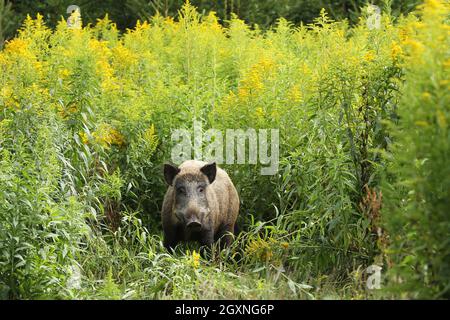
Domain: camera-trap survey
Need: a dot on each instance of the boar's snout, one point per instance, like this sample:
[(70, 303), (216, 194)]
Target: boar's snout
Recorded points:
[(194, 225)]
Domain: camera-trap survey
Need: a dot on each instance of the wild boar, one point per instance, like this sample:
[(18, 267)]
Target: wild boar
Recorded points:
[(201, 204)]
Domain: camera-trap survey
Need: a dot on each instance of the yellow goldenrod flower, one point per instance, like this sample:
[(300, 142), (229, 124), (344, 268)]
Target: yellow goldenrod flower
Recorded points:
[(422, 123), (434, 5), (143, 26), (150, 135), (99, 49), (212, 23), (261, 248), (369, 56), (6, 92), (260, 112), (243, 93), (84, 137), (396, 50), (64, 73), (195, 259), (446, 63), (18, 47), (416, 46), (295, 94), (426, 95), (106, 135), (123, 57), (3, 60)]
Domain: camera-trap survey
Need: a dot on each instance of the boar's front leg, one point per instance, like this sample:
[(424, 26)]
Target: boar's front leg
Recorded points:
[(171, 237), (206, 242), (226, 235), (207, 238)]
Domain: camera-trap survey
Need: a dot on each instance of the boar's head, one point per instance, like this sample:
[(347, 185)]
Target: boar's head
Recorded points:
[(190, 189)]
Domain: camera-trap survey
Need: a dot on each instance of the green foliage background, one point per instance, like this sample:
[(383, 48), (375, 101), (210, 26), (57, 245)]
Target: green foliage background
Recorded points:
[(125, 13)]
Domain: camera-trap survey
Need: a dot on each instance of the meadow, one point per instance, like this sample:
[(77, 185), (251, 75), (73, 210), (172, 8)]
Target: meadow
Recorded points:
[(363, 112)]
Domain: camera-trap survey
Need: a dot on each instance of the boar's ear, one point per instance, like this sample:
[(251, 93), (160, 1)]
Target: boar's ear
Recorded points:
[(210, 171), (170, 172)]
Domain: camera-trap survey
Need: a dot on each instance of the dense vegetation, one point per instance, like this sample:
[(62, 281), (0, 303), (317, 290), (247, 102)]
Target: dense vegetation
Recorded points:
[(363, 112), (125, 13)]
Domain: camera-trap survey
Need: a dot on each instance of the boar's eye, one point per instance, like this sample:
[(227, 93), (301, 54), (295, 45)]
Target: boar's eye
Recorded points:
[(201, 189), (181, 190)]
